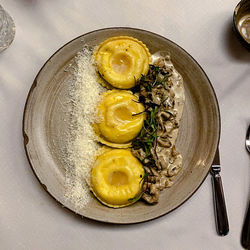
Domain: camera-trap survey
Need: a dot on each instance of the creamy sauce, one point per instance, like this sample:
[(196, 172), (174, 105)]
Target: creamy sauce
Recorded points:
[(179, 98)]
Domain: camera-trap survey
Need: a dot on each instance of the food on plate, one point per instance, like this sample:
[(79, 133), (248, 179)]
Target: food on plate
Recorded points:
[(120, 118), (116, 178), (138, 127), (121, 60), (162, 94)]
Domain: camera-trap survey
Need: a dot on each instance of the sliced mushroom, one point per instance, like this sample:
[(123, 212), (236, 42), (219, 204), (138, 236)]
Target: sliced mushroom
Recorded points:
[(139, 153), (164, 142), (173, 169), (151, 198)]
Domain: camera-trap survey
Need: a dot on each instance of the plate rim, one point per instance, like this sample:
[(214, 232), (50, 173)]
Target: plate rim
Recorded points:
[(26, 138)]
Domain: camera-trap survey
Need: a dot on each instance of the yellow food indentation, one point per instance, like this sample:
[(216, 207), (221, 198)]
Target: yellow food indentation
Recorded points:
[(123, 113), (121, 63), (118, 178)]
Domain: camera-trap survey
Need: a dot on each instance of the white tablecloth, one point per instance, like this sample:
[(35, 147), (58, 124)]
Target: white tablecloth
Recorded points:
[(29, 217)]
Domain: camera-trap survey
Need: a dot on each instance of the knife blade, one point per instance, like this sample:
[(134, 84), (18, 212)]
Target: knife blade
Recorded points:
[(219, 199)]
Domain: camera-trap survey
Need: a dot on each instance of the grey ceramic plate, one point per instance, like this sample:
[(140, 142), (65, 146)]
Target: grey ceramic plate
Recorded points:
[(44, 125)]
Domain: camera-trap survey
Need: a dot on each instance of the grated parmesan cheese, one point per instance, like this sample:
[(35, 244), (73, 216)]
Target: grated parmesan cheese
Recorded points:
[(81, 145)]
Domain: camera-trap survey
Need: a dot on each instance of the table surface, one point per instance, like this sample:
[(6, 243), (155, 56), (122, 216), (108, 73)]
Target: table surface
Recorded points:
[(29, 217)]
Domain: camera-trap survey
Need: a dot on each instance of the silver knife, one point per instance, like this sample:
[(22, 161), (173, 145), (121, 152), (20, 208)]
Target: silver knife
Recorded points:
[(219, 200)]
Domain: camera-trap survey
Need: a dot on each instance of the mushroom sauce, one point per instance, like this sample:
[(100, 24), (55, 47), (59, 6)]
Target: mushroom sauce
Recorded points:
[(162, 93)]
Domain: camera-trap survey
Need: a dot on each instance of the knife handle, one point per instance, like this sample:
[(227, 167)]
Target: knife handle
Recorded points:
[(220, 206), (245, 236)]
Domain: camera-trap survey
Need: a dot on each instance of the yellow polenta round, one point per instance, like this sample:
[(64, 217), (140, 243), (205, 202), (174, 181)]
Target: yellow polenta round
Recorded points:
[(119, 118), (116, 178), (121, 60)]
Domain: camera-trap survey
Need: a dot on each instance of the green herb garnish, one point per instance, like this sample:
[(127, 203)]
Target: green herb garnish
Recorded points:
[(147, 138), (137, 197), (148, 133)]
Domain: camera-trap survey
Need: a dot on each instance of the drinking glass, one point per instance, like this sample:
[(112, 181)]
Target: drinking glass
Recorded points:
[(7, 29)]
